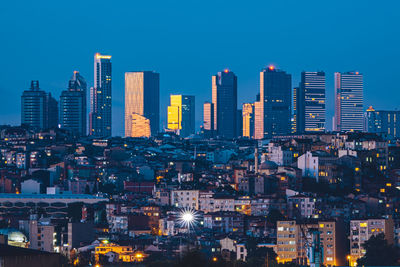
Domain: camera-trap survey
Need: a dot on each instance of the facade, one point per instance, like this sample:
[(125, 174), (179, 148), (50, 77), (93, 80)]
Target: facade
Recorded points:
[(362, 230), (310, 102), (349, 98), (181, 114), (248, 120), (73, 105), (224, 98), (100, 98), (188, 199), (382, 121), (292, 238), (275, 98), (208, 118), (142, 102), (38, 109)]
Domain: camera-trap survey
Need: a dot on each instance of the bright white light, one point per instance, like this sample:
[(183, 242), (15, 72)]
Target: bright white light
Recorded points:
[(187, 218)]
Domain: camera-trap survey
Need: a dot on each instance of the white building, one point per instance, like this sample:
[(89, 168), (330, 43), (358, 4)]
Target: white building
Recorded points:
[(305, 205), (308, 163), (208, 202), (188, 199), (282, 157)]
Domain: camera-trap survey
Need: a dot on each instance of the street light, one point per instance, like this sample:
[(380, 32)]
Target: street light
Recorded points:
[(187, 218)]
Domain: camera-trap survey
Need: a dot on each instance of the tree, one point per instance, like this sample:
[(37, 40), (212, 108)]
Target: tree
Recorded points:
[(259, 256), (378, 252), (274, 215), (87, 189)]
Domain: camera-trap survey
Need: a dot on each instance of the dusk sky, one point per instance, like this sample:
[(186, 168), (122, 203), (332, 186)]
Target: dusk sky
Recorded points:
[(189, 41)]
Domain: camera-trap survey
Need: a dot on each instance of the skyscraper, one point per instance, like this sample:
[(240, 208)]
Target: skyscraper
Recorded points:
[(208, 119), (382, 121), (310, 102), (248, 120), (38, 109), (181, 114), (100, 97), (224, 98), (349, 97), (275, 98), (73, 105), (294, 109), (142, 97)]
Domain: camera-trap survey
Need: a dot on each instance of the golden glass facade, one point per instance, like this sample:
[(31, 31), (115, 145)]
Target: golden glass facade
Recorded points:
[(140, 126), (175, 113), (141, 98), (248, 119)]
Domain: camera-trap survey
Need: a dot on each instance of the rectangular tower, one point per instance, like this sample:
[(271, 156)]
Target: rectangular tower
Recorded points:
[(275, 98), (248, 120), (349, 98), (100, 97), (142, 97), (224, 98), (181, 114), (73, 105), (310, 102)]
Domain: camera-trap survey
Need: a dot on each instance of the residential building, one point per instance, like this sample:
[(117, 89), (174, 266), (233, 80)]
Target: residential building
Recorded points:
[(382, 122), (362, 230), (188, 199)]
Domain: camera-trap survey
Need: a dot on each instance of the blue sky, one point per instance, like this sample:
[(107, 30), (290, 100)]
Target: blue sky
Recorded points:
[(188, 41)]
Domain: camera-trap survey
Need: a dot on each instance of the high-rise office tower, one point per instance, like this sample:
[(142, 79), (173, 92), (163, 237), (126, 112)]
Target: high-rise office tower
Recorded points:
[(52, 112), (73, 105), (100, 97), (224, 98), (181, 114), (38, 109), (142, 97), (349, 98), (239, 123), (208, 118), (275, 98), (248, 120), (294, 109), (382, 121), (309, 100)]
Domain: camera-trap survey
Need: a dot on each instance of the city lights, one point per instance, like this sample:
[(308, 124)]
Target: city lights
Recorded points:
[(188, 218)]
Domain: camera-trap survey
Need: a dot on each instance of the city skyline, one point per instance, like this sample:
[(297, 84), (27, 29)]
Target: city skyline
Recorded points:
[(355, 35)]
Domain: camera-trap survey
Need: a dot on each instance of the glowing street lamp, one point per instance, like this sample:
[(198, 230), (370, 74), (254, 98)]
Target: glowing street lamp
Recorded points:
[(187, 218)]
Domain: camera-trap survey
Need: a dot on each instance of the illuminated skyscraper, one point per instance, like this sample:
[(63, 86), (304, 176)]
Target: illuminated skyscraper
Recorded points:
[(38, 109), (224, 98), (100, 97), (309, 101), (142, 97), (208, 117), (73, 105), (349, 98), (181, 114), (248, 120), (275, 98), (294, 110)]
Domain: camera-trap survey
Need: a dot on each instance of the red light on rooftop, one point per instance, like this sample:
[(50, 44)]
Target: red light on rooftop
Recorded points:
[(226, 70), (357, 73), (271, 67)]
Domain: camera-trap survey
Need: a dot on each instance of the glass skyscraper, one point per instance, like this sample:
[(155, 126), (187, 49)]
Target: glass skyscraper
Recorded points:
[(73, 105), (224, 98), (100, 98), (310, 102), (142, 97), (181, 114), (38, 109), (248, 120), (349, 98), (275, 102)]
